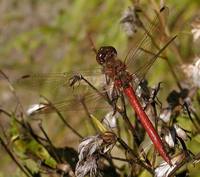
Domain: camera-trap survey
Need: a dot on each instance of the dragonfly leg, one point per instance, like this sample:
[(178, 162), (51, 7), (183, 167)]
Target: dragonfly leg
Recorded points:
[(74, 79)]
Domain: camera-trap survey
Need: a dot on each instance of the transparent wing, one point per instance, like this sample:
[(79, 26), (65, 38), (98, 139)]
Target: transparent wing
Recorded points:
[(88, 102), (54, 80), (67, 92), (142, 53), (57, 83)]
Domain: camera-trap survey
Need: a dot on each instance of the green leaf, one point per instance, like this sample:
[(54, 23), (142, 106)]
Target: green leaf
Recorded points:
[(98, 124)]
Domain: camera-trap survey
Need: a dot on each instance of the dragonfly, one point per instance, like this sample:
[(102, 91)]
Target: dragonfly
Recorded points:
[(116, 75)]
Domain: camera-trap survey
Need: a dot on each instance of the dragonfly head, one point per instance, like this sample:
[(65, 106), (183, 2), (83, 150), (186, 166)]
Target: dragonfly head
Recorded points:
[(105, 53)]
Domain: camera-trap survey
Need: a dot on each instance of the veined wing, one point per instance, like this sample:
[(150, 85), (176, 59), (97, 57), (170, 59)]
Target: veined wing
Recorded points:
[(73, 91), (139, 54), (59, 82), (91, 102)]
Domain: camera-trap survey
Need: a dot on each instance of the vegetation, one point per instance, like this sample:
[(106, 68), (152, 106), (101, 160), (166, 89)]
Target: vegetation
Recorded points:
[(53, 123)]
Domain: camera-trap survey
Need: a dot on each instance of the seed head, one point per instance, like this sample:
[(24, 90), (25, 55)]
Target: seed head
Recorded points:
[(196, 28), (193, 71), (90, 151), (130, 21)]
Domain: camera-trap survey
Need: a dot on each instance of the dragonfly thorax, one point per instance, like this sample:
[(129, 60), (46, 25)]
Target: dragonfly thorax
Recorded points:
[(116, 70), (113, 68)]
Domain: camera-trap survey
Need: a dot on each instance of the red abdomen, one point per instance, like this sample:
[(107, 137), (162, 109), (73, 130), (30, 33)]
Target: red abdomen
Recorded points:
[(146, 123)]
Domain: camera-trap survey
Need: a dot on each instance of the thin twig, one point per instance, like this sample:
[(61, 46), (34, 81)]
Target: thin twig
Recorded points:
[(135, 158), (63, 119), (122, 113), (179, 165), (190, 116), (14, 158), (88, 114), (50, 143), (12, 89)]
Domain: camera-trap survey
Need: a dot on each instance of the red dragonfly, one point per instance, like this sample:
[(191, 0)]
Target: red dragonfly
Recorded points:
[(115, 71)]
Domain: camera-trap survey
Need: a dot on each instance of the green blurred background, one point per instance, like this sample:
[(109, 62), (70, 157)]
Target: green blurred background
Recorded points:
[(51, 36)]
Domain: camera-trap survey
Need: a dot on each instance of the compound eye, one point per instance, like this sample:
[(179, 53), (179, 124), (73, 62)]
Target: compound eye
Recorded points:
[(101, 57), (113, 51), (105, 53)]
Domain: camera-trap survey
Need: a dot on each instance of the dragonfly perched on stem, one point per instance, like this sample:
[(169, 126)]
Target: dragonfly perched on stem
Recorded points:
[(117, 80)]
